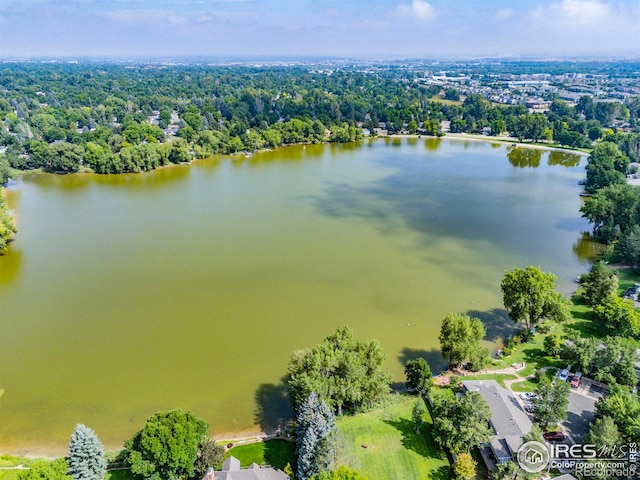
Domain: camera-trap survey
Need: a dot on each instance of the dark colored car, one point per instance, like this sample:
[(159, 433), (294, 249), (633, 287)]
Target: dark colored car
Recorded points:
[(553, 436)]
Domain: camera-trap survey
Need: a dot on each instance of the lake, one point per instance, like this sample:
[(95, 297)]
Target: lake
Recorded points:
[(191, 286)]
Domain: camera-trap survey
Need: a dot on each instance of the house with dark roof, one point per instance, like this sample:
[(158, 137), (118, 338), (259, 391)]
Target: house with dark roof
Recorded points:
[(508, 420), (231, 471)]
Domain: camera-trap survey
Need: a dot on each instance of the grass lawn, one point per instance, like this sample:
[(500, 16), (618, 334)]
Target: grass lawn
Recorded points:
[(393, 449), (119, 475), (530, 385), (276, 453), (498, 377)]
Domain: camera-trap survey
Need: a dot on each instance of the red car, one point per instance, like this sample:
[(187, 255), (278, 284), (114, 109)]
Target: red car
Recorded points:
[(575, 381), (553, 436)]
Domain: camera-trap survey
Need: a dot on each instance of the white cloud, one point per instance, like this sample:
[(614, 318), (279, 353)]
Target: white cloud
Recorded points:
[(577, 12), (504, 14), (418, 8), (145, 17)]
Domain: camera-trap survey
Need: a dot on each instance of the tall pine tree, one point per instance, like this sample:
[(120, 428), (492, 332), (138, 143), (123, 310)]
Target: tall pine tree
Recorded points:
[(315, 421), (86, 455)]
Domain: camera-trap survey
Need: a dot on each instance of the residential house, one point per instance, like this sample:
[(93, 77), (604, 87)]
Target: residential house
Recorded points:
[(508, 420), (231, 471)]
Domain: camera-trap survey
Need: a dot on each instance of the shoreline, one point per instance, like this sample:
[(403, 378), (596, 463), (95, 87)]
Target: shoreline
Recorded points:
[(514, 141), (451, 136), (50, 452)]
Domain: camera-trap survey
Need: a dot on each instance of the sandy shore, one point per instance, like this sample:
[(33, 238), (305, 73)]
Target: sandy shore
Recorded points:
[(484, 138), (52, 452)]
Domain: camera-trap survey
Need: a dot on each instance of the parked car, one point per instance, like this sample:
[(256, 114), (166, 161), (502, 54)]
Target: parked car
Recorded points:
[(564, 375), (529, 407), (528, 396), (575, 381), (554, 436)]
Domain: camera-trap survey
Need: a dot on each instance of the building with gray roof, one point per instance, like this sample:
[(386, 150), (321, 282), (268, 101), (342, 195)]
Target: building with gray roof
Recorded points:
[(508, 420), (231, 471)]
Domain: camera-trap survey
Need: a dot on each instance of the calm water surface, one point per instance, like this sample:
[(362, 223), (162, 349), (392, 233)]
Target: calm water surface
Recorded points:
[(190, 286)]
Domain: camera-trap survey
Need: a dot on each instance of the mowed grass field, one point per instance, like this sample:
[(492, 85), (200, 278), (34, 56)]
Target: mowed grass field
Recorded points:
[(382, 444)]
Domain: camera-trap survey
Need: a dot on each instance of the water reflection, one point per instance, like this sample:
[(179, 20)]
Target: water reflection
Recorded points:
[(432, 144), (10, 264), (524, 157), (565, 159), (586, 248)]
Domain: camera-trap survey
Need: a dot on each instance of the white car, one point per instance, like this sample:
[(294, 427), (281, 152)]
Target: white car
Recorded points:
[(564, 375), (528, 396)]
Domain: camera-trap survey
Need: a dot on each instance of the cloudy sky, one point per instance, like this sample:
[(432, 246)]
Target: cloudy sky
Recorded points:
[(372, 28)]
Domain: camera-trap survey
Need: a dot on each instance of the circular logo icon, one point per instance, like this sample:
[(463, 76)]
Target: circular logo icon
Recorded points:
[(533, 457)]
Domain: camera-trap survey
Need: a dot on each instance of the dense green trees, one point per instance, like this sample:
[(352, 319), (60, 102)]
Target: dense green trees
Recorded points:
[(530, 295), (211, 454), (418, 376), (343, 371), (624, 408), (603, 432), (599, 283), (7, 225), (167, 446), (607, 165), (613, 211), (459, 425), (552, 401), (619, 316), (460, 337), (86, 455), (610, 360), (342, 473), (46, 470)]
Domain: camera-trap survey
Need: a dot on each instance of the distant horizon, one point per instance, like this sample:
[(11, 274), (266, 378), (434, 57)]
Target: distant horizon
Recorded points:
[(353, 29), (318, 59)]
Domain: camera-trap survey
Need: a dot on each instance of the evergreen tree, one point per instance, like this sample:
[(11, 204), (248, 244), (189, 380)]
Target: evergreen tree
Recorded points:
[(418, 413), (599, 283), (86, 455), (315, 422)]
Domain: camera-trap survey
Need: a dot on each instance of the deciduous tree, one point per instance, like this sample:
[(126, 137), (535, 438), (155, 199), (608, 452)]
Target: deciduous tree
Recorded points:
[(465, 467), (343, 371), (461, 424), (552, 401), (460, 337), (167, 446), (418, 376), (530, 295)]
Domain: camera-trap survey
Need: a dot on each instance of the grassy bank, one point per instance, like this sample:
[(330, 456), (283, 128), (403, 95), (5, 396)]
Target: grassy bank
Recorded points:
[(276, 453), (382, 444)]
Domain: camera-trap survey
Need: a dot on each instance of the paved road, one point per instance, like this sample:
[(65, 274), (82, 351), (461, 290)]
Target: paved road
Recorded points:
[(580, 413)]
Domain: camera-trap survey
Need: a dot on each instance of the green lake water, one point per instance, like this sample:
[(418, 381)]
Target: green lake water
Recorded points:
[(191, 286)]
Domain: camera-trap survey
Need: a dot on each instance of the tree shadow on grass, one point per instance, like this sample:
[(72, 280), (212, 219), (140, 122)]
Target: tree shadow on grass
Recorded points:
[(433, 357), (278, 453), (496, 322), (440, 473), (273, 410), (421, 443)]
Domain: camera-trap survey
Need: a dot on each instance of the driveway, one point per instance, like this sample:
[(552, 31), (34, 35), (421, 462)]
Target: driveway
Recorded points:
[(580, 413)]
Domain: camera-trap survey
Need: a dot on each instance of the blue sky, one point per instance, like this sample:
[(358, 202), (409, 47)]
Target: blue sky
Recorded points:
[(373, 29)]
